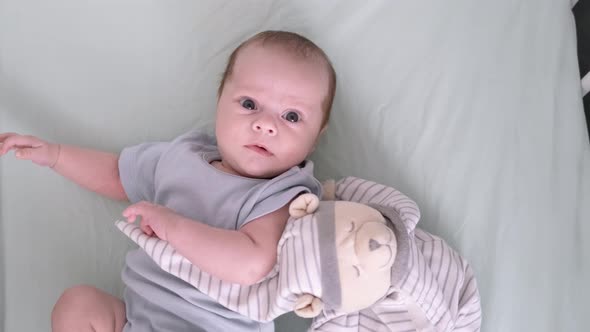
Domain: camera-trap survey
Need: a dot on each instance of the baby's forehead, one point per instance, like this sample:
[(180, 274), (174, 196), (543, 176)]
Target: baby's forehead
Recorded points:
[(258, 69), (288, 52)]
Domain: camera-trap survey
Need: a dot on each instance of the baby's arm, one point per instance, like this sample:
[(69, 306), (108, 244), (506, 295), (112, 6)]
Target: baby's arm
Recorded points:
[(241, 256), (91, 169)]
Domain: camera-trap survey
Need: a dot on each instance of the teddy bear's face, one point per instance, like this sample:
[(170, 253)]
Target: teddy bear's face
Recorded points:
[(366, 250)]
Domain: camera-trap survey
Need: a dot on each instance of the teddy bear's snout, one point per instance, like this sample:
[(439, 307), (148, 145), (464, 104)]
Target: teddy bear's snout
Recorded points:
[(375, 246)]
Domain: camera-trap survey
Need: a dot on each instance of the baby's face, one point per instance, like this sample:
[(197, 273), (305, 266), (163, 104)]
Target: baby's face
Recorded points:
[(269, 113)]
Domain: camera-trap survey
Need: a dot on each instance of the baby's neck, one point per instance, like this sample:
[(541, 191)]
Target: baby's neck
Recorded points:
[(220, 166)]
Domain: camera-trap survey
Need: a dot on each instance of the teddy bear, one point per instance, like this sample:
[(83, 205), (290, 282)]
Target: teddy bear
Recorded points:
[(353, 261)]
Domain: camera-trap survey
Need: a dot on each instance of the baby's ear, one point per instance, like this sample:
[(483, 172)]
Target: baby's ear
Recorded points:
[(303, 205), (308, 306)]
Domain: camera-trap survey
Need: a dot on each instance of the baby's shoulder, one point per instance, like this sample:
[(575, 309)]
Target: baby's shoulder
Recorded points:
[(193, 144), (198, 136)]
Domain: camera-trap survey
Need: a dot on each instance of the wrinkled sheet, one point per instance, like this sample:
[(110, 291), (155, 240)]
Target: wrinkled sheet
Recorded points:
[(471, 108)]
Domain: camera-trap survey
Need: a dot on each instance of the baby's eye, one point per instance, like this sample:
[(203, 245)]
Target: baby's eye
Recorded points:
[(248, 104), (291, 116)]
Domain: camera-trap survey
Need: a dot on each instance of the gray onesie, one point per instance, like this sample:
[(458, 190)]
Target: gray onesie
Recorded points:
[(178, 175)]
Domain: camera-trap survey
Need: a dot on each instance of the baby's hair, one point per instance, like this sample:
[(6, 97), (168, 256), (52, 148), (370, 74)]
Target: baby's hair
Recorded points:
[(298, 45)]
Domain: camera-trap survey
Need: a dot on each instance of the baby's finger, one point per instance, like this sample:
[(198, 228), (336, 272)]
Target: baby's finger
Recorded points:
[(5, 147), (4, 136), (131, 217), (25, 153), (146, 229), (19, 141), (131, 209), (129, 214)]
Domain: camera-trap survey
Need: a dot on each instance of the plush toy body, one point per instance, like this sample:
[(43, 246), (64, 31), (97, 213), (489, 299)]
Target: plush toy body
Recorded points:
[(354, 264)]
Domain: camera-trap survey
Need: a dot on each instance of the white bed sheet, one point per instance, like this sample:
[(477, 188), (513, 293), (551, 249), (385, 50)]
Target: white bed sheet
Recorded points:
[(472, 108)]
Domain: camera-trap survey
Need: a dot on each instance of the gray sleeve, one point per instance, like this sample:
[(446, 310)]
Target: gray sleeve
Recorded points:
[(284, 188), (137, 165)]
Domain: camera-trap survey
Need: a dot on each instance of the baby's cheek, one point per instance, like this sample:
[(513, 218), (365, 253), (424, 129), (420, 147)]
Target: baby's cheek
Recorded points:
[(306, 145)]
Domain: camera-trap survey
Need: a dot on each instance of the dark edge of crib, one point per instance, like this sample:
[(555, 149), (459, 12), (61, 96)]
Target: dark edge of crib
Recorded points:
[(582, 17)]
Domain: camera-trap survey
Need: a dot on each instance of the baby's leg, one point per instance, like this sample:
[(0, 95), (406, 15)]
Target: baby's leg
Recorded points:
[(86, 308)]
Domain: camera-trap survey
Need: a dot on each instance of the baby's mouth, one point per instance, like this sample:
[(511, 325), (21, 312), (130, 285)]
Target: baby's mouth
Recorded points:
[(260, 149)]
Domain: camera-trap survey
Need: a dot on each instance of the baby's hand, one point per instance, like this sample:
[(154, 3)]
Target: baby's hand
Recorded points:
[(155, 219), (30, 148)]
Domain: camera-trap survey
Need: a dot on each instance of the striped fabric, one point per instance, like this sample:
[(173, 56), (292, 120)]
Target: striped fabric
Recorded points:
[(296, 273), (436, 292), (439, 292)]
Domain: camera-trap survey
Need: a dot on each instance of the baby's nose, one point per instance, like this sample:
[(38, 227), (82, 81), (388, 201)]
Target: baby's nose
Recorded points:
[(265, 126)]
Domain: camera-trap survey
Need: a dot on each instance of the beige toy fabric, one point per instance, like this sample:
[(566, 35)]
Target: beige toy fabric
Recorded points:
[(354, 264)]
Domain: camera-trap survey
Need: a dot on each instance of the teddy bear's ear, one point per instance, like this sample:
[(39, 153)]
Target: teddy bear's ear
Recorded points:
[(329, 190), (303, 205), (308, 306)]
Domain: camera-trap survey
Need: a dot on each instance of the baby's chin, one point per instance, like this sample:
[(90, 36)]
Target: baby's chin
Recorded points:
[(254, 169), (259, 172)]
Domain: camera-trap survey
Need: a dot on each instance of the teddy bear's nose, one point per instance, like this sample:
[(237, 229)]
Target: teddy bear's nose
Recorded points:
[(374, 245)]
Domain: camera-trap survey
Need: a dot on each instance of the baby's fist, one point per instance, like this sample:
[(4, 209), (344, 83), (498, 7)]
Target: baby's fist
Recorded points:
[(155, 218), (30, 148)]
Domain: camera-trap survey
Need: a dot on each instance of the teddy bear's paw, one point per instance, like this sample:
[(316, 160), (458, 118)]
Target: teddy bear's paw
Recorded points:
[(303, 205)]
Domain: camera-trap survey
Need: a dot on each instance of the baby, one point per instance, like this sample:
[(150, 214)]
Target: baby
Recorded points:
[(220, 202)]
